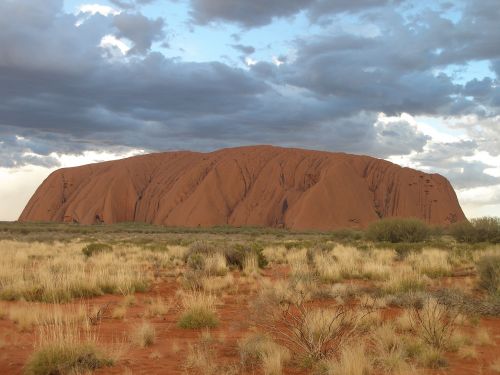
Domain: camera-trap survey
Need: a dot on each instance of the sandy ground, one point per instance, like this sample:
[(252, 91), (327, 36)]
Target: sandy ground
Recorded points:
[(167, 355)]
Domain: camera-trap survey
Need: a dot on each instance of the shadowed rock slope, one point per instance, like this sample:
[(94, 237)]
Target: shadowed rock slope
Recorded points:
[(244, 186)]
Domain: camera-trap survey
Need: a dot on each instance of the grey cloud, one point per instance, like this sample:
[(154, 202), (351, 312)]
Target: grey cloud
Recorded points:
[(258, 13), (448, 159), (247, 50), (141, 30), (246, 13)]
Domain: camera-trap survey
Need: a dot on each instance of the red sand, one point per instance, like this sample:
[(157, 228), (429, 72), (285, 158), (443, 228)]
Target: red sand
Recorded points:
[(245, 186)]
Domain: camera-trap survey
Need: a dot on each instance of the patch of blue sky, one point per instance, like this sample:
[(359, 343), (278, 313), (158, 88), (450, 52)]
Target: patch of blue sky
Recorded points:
[(461, 74)]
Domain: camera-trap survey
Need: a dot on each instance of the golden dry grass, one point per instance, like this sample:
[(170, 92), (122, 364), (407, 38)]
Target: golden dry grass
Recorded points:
[(60, 272), (143, 335)]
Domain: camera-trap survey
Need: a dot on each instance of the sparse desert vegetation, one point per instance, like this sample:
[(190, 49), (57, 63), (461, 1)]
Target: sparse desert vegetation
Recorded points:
[(126, 299)]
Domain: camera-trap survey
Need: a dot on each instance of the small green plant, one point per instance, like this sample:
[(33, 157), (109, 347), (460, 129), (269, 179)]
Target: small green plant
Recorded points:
[(96, 248), (199, 311), (398, 230), (56, 359)]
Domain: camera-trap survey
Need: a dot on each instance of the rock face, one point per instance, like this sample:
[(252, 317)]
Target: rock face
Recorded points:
[(245, 186)]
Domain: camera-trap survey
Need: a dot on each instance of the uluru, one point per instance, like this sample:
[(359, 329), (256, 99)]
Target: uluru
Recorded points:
[(244, 186)]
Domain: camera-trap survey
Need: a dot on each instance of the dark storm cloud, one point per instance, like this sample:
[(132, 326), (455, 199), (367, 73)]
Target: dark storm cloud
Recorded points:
[(262, 12), (139, 29), (60, 93)]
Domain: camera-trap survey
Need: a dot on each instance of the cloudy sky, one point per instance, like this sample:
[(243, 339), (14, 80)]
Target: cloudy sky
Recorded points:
[(415, 82)]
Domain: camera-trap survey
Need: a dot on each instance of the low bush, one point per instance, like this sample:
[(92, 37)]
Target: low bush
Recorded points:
[(483, 229), (398, 230), (96, 248), (202, 248), (236, 254), (489, 273), (434, 323)]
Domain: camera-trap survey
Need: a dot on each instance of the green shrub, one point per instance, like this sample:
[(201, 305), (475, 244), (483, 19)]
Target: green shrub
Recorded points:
[(59, 359), (346, 235), (489, 273), (196, 261), (195, 319), (236, 254), (96, 248), (398, 230), (199, 247), (487, 229), (483, 229)]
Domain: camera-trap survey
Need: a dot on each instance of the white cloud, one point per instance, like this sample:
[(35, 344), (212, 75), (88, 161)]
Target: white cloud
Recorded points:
[(277, 61), (249, 61), (18, 184), (98, 9), (112, 43), (486, 158), (480, 201)]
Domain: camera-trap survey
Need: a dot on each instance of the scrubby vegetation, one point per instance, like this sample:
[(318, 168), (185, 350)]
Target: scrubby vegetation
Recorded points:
[(484, 229), (398, 230), (489, 273), (395, 299)]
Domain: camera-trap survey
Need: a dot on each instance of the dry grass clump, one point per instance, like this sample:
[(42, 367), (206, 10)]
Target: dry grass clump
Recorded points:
[(177, 253), (260, 350), (129, 300), (64, 348), (467, 352), (347, 262), (119, 312), (157, 307), (275, 254), (202, 358), (390, 352), (313, 333), (431, 262), (198, 311), (404, 280), (299, 267), (353, 360), (60, 272), (434, 323), (215, 265), (431, 357), (251, 265), (28, 315), (215, 284), (404, 321), (143, 335)]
